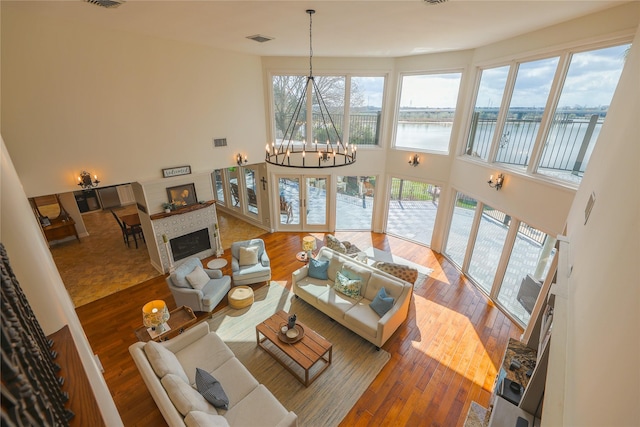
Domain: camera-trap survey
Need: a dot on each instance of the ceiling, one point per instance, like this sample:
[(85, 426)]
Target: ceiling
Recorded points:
[(386, 28)]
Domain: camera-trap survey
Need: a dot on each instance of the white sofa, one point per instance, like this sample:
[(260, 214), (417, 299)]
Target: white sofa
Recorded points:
[(170, 378), (355, 313)]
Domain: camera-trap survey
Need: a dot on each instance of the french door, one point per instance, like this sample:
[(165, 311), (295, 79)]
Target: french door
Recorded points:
[(303, 202)]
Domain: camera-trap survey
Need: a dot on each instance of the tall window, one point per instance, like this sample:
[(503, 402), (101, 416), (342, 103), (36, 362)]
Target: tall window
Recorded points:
[(427, 108), (526, 108), (485, 113), (461, 225), (332, 90), (482, 234), (252, 196), (413, 207), (352, 100), (492, 234), (234, 188), (586, 94), (219, 185), (354, 202), (587, 82), (528, 266), (365, 110)]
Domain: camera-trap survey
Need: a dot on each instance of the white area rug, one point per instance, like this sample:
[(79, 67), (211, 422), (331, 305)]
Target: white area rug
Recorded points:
[(331, 396)]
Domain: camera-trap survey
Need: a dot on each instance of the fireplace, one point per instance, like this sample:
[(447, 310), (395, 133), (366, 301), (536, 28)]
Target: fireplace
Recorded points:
[(190, 232), (190, 244)]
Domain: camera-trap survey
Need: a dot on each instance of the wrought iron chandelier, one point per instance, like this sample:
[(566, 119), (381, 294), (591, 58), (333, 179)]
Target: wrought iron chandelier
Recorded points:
[(293, 153)]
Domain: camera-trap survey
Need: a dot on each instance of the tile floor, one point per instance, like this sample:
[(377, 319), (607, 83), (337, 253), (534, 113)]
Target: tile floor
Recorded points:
[(101, 264)]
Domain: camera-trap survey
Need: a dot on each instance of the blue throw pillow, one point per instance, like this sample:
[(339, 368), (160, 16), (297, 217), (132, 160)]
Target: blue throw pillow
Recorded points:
[(318, 269), (382, 302)]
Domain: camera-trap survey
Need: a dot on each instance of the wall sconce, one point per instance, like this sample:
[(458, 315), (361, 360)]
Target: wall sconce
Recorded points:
[(498, 183), (414, 160), (240, 160), (84, 180)]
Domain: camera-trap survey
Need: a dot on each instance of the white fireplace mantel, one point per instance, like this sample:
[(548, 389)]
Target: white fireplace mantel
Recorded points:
[(179, 223)]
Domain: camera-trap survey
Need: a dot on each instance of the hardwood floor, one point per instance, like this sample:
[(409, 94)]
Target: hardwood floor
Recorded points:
[(443, 357)]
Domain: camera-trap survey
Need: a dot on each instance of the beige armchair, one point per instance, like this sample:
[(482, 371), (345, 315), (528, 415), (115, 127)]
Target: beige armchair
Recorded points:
[(250, 262), (200, 293)]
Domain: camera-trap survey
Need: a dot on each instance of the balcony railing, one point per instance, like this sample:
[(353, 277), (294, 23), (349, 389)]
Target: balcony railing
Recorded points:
[(364, 128), (567, 148)]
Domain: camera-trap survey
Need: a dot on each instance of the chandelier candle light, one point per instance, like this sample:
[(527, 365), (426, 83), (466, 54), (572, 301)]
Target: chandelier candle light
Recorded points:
[(291, 153), (155, 316)]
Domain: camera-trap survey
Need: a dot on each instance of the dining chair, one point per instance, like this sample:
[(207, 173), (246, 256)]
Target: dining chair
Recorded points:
[(128, 231)]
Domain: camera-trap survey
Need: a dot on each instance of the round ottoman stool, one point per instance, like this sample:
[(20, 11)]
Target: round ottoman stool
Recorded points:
[(240, 297)]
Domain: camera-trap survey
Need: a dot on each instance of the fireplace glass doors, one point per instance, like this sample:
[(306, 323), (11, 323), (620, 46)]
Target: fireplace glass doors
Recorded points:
[(190, 244)]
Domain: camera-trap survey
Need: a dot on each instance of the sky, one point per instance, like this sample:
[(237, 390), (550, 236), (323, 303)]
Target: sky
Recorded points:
[(590, 82), (430, 90)]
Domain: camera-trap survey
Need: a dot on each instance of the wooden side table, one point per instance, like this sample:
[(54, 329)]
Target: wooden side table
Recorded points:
[(179, 319), (302, 257)]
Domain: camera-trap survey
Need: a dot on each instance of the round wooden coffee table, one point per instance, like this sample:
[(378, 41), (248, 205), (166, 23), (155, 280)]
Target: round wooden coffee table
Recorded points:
[(240, 297)]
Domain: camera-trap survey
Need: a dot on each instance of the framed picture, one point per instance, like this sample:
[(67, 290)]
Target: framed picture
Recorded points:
[(177, 171), (182, 195)]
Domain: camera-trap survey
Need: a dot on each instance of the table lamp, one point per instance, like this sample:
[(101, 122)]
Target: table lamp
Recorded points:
[(155, 315), (308, 245)]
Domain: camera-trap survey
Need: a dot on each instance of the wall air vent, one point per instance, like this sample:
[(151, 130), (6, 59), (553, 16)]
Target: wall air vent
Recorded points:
[(105, 3), (259, 38), (219, 142), (435, 1)]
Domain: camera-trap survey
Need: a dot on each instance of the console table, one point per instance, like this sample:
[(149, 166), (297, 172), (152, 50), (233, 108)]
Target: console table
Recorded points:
[(60, 229)]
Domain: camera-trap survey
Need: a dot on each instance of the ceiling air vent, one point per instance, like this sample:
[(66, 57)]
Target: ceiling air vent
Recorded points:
[(105, 3), (259, 38), (219, 142), (435, 1)]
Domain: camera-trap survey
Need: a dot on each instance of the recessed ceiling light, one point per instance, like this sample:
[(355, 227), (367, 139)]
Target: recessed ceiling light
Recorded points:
[(260, 38)]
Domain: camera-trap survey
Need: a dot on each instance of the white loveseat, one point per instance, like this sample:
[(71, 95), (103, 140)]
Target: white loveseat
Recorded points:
[(355, 313), (170, 379)]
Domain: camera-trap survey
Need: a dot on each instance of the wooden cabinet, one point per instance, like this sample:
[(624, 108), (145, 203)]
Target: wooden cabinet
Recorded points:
[(54, 220), (61, 229), (125, 194)]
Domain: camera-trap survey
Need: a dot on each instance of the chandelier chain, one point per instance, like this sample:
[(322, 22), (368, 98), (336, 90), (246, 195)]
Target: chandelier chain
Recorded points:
[(310, 12), (291, 152)]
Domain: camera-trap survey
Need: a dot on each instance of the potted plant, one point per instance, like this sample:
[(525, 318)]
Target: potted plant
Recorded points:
[(167, 207)]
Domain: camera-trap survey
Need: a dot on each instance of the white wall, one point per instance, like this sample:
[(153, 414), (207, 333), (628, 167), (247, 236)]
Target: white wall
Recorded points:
[(39, 279), (119, 105), (603, 369)]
